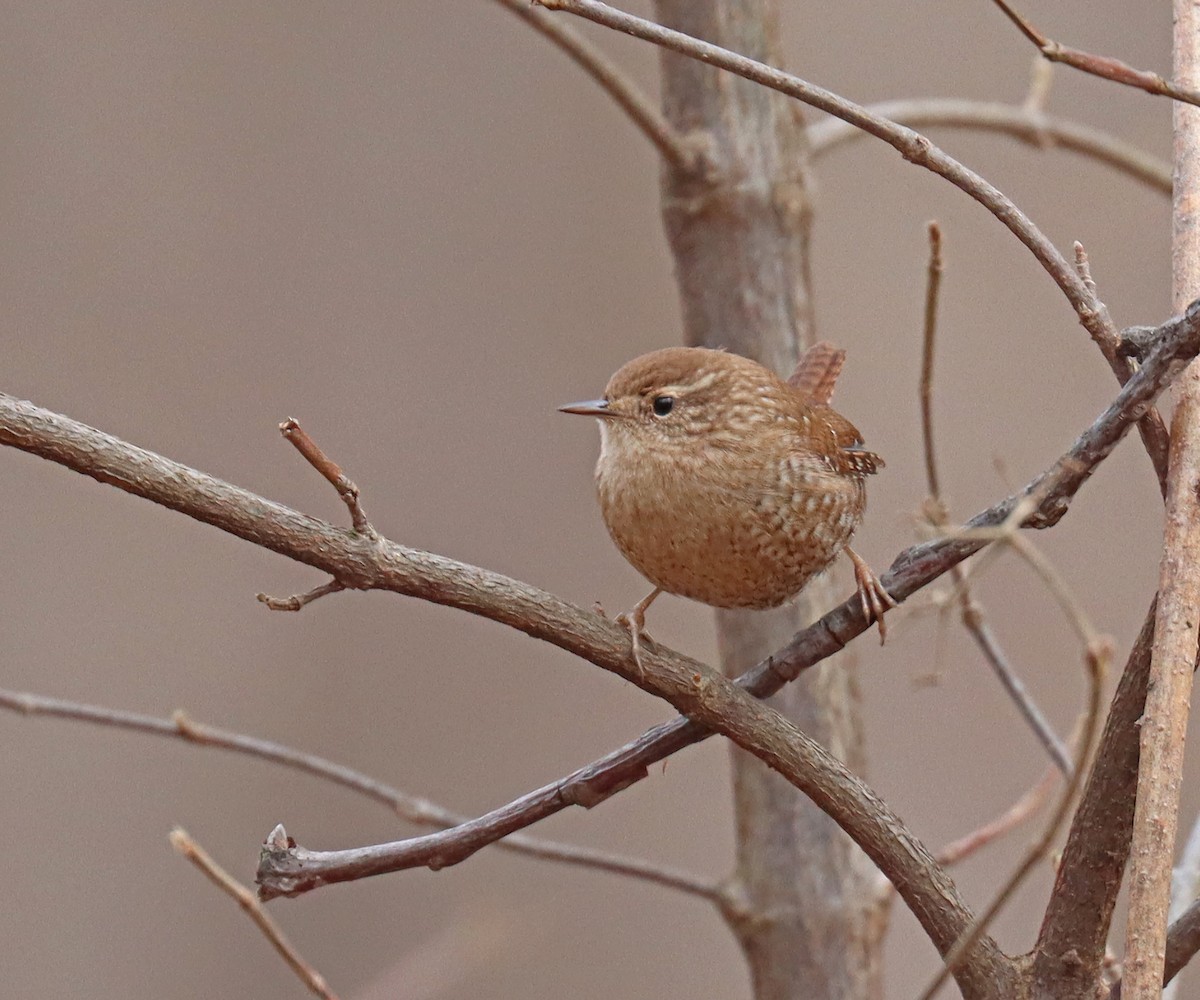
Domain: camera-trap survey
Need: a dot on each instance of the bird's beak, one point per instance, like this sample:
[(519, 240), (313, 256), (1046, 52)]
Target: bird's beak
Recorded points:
[(590, 408)]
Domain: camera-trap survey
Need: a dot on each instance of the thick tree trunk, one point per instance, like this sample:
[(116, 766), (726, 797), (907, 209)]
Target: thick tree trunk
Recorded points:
[(738, 226)]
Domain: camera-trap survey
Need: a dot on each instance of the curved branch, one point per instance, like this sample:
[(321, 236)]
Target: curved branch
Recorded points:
[(673, 147), (1029, 125), (916, 148)]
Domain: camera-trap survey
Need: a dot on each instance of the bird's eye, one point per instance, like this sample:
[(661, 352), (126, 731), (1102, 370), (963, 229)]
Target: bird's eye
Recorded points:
[(662, 405)]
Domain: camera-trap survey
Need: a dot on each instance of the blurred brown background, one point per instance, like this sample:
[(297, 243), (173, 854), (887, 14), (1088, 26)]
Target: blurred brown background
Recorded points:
[(418, 228)]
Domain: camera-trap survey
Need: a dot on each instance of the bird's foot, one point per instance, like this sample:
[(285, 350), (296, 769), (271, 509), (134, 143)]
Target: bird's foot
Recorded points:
[(635, 621), (872, 595)]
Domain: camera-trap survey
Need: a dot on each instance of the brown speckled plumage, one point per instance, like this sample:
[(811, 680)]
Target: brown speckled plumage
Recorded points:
[(742, 487)]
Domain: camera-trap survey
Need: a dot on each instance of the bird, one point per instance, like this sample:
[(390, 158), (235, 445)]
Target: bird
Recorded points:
[(721, 482)]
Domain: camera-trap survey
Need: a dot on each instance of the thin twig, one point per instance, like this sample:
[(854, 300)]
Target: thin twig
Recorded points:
[(672, 146), (1041, 76), (917, 149), (972, 612), (418, 811), (330, 470), (297, 601), (1035, 128), (1102, 66), (979, 629), (933, 283), (250, 905)]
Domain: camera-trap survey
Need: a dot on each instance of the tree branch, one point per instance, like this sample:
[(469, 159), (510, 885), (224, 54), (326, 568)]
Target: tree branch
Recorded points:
[(1183, 941)]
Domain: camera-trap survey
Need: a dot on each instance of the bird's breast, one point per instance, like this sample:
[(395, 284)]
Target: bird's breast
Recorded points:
[(730, 528)]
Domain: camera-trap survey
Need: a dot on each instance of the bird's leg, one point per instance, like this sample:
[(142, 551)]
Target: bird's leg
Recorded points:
[(635, 621), (875, 599)]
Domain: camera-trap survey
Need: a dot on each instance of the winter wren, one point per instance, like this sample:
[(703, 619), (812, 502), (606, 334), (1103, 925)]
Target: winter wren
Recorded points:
[(721, 482)]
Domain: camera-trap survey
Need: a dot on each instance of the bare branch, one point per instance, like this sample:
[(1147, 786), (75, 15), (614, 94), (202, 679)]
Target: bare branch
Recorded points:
[(289, 870), (673, 147), (418, 811), (933, 283), (1102, 66), (917, 149), (1033, 127), (250, 905)]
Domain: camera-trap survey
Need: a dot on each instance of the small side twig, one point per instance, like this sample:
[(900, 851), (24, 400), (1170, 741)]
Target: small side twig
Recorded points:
[(933, 284), (250, 905), (1102, 66), (297, 601), (331, 471), (346, 488)]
